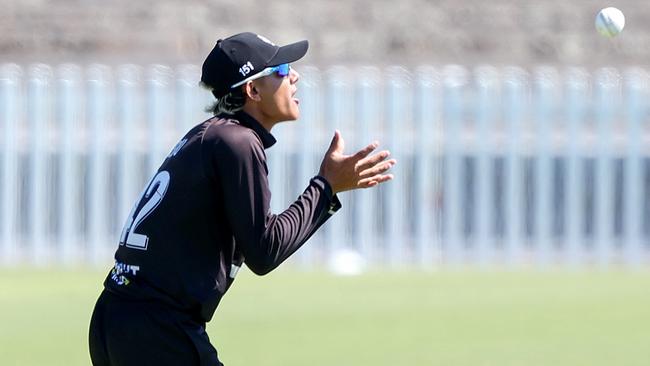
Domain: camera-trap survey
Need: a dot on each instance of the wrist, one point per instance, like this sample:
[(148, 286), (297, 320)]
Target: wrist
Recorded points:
[(326, 185)]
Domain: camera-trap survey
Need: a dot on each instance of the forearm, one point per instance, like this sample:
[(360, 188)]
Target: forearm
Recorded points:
[(288, 231)]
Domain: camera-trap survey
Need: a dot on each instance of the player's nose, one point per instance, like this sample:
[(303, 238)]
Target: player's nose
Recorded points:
[(294, 76)]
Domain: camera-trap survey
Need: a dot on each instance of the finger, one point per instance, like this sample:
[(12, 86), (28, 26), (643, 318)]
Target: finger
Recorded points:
[(337, 143), (371, 182), (375, 180), (378, 168), (365, 151), (372, 160)]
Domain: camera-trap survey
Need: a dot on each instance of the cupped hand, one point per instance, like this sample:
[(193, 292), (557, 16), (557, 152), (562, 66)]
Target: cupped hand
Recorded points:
[(359, 170)]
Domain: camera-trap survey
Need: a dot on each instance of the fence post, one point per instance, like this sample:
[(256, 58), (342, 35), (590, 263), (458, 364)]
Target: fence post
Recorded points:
[(39, 107), (398, 119), (190, 99), (68, 102), (425, 181), (11, 114), (636, 96), (545, 94), (486, 109), (338, 95), (516, 99), (606, 106), (307, 148), (577, 95), (130, 140), (159, 128), (455, 81), (100, 147), (367, 121)]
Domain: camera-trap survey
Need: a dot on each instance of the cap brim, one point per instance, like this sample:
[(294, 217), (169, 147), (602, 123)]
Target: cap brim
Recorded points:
[(289, 53)]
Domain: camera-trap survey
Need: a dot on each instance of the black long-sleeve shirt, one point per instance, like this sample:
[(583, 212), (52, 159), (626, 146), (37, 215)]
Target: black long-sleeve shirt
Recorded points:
[(207, 211)]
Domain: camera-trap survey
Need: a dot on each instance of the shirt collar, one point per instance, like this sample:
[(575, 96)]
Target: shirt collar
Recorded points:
[(247, 120)]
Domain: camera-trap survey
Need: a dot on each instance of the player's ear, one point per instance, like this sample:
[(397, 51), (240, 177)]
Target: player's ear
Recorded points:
[(251, 91)]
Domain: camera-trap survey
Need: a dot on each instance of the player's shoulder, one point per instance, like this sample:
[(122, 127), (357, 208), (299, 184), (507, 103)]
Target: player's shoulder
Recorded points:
[(229, 134)]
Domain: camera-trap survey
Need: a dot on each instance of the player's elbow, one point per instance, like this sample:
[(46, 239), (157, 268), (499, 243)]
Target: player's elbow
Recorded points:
[(261, 267), (260, 271)]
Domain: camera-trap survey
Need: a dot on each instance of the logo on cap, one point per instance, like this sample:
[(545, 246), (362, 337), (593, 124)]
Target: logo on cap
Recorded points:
[(246, 69), (265, 40)]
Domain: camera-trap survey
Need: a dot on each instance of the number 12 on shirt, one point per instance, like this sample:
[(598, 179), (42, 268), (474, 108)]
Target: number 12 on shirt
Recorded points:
[(151, 196)]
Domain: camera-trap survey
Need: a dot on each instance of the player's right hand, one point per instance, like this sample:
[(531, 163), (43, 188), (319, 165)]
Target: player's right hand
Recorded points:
[(360, 170)]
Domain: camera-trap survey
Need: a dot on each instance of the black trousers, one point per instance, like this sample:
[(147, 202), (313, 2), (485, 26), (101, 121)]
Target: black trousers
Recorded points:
[(126, 332)]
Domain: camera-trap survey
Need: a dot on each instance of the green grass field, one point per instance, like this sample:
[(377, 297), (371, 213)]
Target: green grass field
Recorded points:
[(437, 318)]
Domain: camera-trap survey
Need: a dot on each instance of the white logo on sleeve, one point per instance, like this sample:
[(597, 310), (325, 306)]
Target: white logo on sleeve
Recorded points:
[(265, 40), (177, 148), (234, 269)]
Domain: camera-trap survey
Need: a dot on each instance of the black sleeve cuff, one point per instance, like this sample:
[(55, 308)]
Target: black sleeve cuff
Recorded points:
[(322, 183)]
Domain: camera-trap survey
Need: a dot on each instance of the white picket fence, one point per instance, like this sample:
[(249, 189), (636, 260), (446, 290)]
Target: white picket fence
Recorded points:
[(496, 166)]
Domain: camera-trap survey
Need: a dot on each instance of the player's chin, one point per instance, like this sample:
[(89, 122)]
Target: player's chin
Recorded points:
[(293, 113)]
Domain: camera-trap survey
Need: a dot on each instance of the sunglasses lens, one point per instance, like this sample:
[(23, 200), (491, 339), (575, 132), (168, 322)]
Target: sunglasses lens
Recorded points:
[(283, 70)]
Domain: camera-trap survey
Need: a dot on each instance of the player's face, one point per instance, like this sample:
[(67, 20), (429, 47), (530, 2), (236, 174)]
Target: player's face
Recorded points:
[(278, 102)]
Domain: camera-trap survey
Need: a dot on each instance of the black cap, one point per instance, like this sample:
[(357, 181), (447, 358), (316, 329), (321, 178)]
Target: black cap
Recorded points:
[(245, 54)]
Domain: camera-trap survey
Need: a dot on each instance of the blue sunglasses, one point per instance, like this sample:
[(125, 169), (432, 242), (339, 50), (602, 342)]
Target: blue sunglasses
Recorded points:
[(282, 70)]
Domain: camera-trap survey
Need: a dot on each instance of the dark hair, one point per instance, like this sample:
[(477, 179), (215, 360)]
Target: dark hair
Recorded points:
[(229, 103)]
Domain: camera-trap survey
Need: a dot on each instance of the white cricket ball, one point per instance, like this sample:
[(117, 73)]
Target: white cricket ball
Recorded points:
[(610, 22)]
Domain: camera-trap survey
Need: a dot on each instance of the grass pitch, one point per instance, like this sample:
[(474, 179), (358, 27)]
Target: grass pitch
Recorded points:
[(415, 318)]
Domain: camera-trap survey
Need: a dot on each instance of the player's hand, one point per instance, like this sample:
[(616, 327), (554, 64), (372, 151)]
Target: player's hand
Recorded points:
[(360, 170)]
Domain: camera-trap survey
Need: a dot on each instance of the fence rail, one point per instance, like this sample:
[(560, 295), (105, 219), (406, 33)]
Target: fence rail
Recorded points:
[(496, 165)]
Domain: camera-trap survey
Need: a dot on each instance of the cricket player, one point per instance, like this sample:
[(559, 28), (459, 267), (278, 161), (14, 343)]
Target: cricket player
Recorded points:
[(206, 212)]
